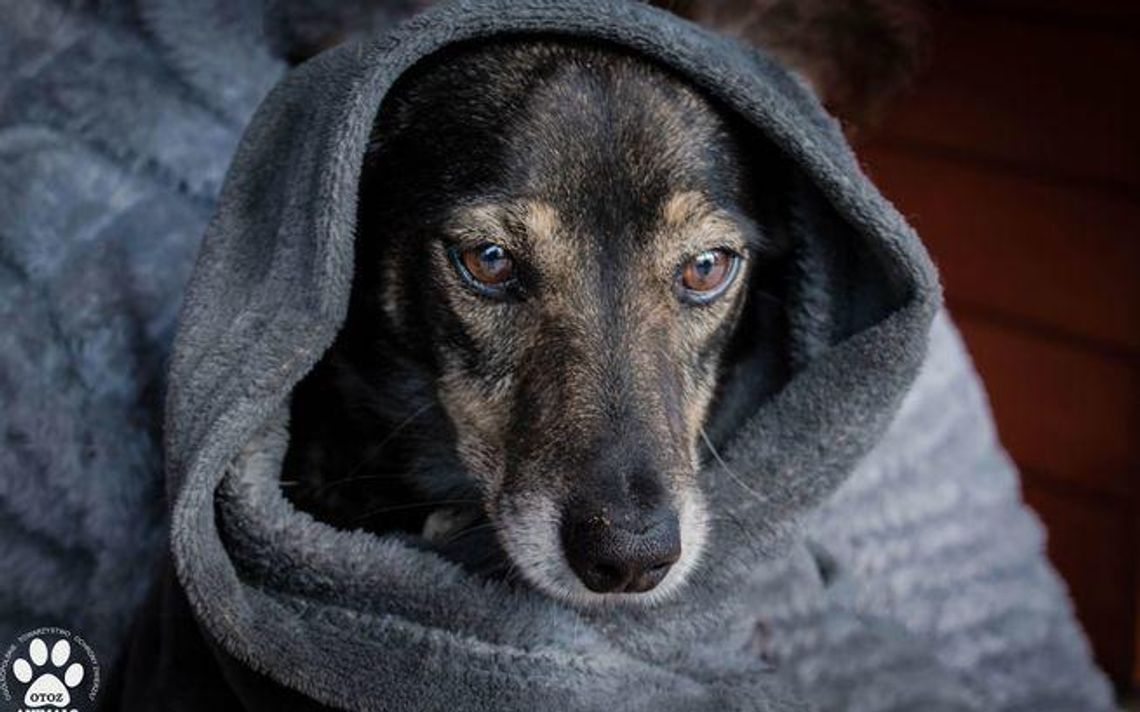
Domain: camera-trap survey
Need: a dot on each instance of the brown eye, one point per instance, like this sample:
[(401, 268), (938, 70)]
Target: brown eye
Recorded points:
[(487, 268), (488, 264), (705, 276)]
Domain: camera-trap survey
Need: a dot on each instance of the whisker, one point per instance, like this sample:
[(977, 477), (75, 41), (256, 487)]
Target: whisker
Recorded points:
[(728, 470), (467, 532), (415, 505), (376, 448), (324, 488), (404, 423)]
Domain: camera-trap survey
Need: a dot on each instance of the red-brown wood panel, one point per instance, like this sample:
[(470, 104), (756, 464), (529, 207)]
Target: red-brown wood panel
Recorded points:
[(1121, 14), (1037, 95), (1062, 256), (1061, 410), (1092, 544)]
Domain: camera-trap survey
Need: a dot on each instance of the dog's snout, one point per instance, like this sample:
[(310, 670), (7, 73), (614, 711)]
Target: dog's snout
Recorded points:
[(627, 552)]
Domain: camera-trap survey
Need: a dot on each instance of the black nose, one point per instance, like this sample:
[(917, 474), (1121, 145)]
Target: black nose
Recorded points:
[(622, 552)]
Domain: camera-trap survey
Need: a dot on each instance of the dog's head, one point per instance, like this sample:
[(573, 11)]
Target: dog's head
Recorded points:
[(560, 234)]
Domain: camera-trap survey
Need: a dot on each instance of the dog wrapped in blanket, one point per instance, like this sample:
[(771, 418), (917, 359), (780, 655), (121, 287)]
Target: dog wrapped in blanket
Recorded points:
[(559, 354)]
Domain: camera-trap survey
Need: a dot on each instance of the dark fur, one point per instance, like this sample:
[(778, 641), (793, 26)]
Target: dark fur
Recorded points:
[(605, 140)]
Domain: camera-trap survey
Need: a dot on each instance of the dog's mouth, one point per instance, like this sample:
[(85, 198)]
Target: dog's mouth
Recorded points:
[(600, 556)]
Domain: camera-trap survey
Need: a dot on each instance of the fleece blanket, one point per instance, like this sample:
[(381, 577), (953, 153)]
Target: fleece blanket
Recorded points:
[(118, 119), (870, 549), (113, 147)]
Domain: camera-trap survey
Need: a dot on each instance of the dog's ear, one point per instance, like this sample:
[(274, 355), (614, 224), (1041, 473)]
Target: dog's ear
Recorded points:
[(856, 54)]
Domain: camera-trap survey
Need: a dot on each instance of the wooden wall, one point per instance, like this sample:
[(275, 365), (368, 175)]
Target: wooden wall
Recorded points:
[(1017, 157)]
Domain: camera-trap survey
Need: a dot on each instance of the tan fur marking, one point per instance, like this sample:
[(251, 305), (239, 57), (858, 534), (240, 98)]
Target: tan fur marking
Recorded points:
[(541, 220), (690, 223), (480, 416), (684, 207)]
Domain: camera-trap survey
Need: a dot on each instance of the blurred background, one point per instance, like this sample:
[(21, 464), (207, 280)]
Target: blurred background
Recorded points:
[(1015, 152)]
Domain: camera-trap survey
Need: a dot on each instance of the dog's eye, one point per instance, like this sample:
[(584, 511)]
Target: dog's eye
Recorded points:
[(704, 277), (488, 263), (488, 267)]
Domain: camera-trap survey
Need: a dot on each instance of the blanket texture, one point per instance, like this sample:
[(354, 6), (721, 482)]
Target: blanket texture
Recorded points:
[(118, 119), (869, 549), (112, 153)]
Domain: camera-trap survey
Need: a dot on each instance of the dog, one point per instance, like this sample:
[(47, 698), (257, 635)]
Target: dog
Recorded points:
[(565, 255), (555, 247)]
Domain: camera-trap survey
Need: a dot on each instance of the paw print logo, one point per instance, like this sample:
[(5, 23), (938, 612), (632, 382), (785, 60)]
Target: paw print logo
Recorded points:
[(48, 686), (49, 669)]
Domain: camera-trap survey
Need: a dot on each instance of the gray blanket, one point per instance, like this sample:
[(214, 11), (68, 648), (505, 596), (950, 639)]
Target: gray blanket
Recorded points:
[(869, 549), (118, 119), (113, 146)]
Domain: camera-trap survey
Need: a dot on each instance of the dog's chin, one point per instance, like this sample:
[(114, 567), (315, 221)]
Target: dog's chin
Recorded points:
[(528, 530)]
